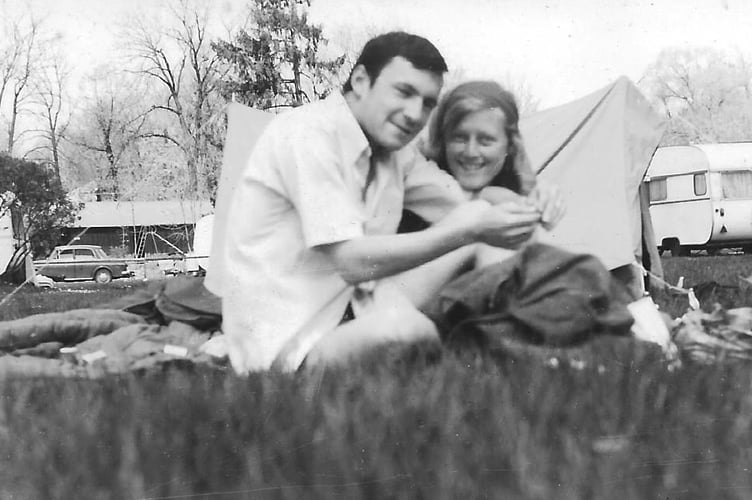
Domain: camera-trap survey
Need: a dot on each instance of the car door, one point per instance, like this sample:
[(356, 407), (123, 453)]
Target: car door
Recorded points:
[(84, 268), (62, 265)]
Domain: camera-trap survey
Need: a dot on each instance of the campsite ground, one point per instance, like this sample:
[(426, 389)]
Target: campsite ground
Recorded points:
[(605, 421)]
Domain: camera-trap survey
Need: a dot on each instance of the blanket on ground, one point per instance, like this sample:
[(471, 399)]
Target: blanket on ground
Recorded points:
[(168, 322)]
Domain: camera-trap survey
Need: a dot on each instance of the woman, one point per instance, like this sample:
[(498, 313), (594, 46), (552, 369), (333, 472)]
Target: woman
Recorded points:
[(474, 135)]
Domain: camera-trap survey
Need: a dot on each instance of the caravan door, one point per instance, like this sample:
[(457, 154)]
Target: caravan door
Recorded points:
[(733, 205), (681, 209)]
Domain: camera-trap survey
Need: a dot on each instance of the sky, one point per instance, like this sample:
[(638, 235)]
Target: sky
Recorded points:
[(559, 49)]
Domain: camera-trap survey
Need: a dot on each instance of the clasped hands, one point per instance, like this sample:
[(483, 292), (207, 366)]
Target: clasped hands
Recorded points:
[(512, 219)]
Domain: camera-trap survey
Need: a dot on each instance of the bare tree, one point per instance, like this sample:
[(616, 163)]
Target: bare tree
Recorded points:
[(110, 125), (527, 101), (10, 55), (19, 57), (705, 94), (181, 62), (50, 100)]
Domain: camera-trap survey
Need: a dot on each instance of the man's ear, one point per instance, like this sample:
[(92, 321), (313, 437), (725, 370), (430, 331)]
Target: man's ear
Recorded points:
[(360, 81)]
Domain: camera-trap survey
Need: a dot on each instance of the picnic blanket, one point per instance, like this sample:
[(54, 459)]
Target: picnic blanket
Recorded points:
[(169, 322)]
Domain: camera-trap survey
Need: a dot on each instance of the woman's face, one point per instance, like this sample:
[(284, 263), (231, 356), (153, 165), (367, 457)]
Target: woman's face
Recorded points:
[(476, 148)]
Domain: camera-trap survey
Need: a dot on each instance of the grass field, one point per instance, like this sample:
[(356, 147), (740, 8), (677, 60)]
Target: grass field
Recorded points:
[(605, 421)]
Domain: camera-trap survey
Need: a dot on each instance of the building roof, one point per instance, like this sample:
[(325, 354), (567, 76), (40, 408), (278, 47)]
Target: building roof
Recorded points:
[(142, 213)]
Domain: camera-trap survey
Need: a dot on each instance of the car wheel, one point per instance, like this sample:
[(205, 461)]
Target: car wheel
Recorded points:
[(103, 276)]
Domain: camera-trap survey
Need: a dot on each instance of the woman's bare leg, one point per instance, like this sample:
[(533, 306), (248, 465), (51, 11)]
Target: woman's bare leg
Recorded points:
[(422, 284)]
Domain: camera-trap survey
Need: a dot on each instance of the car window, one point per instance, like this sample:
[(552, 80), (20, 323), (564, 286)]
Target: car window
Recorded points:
[(65, 254), (84, 253)]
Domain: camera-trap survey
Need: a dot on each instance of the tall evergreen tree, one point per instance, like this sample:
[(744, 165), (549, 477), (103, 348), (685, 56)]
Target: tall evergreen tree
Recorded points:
[(278, 60)]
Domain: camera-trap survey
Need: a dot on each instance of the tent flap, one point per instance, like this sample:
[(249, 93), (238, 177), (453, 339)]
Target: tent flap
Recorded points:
[(596, 150), (244, 126)]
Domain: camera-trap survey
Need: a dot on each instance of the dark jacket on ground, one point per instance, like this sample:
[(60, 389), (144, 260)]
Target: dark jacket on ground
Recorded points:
[(541, 296)]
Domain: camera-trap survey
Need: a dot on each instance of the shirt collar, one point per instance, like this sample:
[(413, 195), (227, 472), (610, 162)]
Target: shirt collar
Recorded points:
[(354, 142)]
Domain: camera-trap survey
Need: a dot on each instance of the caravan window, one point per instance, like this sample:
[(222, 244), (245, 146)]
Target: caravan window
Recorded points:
[(657, 189), (737, 185), (701, 185)]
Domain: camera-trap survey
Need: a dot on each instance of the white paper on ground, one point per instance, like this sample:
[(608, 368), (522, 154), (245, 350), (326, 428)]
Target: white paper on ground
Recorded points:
[(648, 323)]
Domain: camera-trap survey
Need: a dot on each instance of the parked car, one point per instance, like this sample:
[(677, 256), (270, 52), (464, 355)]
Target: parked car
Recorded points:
[(81, 263)]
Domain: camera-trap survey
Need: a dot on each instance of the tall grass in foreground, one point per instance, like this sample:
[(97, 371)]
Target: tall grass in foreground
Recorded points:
[(607, 420)]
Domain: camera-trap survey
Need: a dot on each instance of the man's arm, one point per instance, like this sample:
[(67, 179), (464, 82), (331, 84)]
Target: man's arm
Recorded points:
[(366, 258)]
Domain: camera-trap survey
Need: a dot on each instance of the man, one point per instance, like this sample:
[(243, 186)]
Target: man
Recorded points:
[(317, 210)]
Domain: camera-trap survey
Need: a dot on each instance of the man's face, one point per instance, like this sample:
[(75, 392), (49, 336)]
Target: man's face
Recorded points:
[(394, 107)]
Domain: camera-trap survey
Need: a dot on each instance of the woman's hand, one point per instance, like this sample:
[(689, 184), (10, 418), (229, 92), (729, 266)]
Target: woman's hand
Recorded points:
[(550, 203)]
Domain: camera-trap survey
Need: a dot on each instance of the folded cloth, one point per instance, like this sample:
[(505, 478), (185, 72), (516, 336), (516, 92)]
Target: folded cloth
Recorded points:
[(187, 300), (184, 299), (543, 295)]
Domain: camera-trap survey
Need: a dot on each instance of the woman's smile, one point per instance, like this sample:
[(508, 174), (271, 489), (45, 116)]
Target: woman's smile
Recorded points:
[(476, 148)]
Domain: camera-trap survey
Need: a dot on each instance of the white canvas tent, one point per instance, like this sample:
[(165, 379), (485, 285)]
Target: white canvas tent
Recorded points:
[(244, 125), (596, 149)]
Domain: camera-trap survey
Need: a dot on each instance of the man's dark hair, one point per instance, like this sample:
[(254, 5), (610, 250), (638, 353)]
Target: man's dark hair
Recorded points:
[(380, 50)]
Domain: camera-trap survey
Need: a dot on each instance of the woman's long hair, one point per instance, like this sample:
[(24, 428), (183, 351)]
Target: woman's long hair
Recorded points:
[(516, 173)]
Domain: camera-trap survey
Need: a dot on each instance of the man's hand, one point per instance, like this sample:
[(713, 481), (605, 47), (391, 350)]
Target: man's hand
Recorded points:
[(508, 224)]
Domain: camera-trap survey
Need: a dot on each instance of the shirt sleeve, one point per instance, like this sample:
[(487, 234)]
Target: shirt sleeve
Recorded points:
[(308, 171), (429, 191)]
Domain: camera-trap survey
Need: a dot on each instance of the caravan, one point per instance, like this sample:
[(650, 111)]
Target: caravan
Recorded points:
[(701, 197)]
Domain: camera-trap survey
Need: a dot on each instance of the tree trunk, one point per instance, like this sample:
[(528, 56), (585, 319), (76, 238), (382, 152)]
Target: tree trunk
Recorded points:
[(12, 126)]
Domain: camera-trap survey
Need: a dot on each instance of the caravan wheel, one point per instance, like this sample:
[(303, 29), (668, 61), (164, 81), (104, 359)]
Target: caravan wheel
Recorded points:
[(676, 249)]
